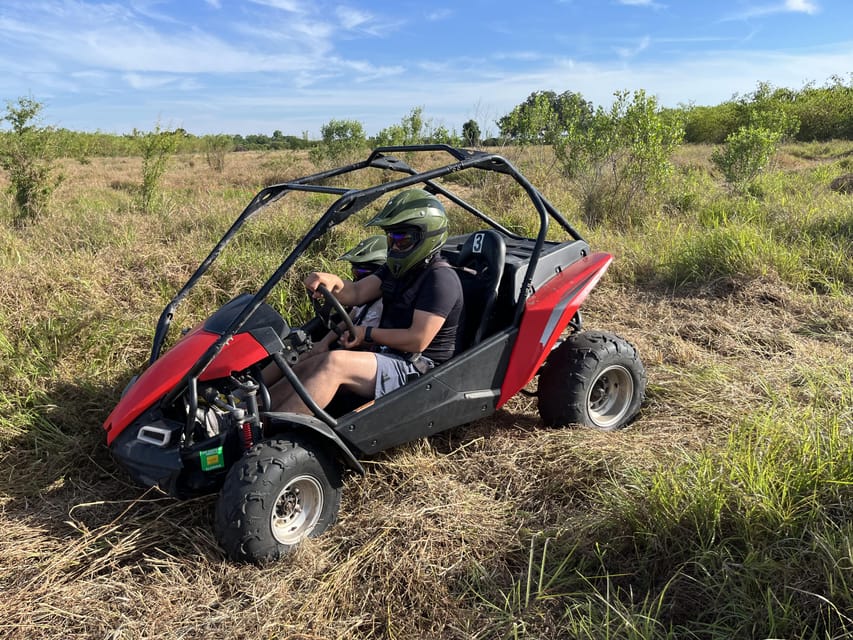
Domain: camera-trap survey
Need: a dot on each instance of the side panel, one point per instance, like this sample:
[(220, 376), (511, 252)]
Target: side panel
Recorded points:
[(461, 390), (242, 352), (546, 314)]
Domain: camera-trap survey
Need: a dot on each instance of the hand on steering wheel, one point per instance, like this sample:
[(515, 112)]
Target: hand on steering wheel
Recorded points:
[(332, 312)]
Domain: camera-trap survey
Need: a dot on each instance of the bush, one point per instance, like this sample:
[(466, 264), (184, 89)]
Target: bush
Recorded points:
[(748, 150), (215, 148), (343, 141), (826, 113), (415, 129), (620, 161), (746, 153), (710, 124), (28, 154), (156, 148)]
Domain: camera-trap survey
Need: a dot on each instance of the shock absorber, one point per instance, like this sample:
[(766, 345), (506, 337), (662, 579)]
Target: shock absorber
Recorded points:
[(248, 436), (250, 424)]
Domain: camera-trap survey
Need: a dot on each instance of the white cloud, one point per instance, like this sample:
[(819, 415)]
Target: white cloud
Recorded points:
[(363, 22), (630, 52), (643, 3), (801, 6), (788, 6), (292, 6), (112, 38), (440, 14), (279, 64), (352, 18)]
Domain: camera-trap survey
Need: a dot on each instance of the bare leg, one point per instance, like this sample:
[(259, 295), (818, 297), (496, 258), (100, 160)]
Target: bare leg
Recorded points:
[(354, 370)]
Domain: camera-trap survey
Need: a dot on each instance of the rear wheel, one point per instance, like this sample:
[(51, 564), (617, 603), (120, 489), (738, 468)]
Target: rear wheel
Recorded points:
[(281, 492), (595, 379)]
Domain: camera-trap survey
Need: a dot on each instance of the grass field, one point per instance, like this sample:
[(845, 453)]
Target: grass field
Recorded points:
[(724, 511)]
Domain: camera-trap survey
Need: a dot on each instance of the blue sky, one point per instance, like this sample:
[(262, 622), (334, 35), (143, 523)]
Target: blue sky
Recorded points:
[(254, 66)]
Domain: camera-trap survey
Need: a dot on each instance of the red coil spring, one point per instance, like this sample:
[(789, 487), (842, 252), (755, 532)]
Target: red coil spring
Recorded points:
[(247, 435)]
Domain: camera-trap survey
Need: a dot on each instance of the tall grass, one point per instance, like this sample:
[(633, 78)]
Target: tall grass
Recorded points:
[(724, 511), (752, 539)]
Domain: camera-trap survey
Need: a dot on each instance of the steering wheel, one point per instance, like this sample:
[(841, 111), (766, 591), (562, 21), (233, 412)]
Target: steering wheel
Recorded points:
[(331, 312)]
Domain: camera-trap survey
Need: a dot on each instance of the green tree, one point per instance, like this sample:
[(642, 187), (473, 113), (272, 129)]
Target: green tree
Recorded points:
[(825, 113), (471, 133), (414, 128), (28, 154), (620, 159), (342, 141), (546, 116)]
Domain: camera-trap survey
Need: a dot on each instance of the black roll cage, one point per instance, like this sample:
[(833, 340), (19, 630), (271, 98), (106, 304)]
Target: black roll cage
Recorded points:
[(350, 202)]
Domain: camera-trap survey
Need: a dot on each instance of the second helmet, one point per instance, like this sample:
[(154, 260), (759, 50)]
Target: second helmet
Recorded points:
[(371, 250)]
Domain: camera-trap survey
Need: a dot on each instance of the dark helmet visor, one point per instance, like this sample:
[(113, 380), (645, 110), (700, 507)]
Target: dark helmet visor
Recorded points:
[(360, 271), (402, 240)]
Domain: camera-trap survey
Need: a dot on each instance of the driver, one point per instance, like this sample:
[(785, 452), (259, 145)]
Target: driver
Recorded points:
[(422, 309)]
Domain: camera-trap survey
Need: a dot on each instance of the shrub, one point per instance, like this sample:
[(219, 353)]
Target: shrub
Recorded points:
[(471, 133), (415, 129), (826, 112), (709, 124), (748, 150), (215, 148), (746, 153), (28, 154), (156, 147), (343, 141), (620, 161)]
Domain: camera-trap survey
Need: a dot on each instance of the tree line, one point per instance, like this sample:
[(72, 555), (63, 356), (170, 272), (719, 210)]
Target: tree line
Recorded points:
[(823, 112), (614, 156)]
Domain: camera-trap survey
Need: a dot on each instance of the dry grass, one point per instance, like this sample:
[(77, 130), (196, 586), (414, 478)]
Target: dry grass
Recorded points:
[(434, 541)]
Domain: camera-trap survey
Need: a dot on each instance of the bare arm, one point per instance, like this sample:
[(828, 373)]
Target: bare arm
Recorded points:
[(347, 292), (415, 339)]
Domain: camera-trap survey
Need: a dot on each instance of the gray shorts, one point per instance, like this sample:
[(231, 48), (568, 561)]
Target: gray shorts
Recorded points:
[(392, 372)]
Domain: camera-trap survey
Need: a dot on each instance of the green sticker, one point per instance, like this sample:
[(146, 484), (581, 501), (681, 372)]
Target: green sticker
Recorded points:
[(212, 459)]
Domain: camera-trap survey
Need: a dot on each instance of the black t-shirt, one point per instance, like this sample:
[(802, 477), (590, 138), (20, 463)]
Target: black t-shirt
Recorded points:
[(434, 289)]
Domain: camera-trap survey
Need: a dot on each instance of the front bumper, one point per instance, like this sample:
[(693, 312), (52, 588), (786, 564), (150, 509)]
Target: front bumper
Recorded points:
[(180, 471)]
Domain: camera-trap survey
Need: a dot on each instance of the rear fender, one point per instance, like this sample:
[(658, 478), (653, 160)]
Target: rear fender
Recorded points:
[(546, 314), (293, 422)]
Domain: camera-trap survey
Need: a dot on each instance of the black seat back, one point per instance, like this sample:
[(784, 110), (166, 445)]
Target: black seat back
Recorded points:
[(480, 267)]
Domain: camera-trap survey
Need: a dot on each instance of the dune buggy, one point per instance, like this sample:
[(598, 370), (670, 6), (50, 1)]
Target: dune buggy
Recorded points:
[(199, 418)]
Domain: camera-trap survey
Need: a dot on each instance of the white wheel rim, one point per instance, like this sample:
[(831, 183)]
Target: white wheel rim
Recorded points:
[(610, 396), (296, 510)]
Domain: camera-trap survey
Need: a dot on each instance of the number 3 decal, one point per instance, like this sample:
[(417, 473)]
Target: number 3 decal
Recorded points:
[(478, 242)]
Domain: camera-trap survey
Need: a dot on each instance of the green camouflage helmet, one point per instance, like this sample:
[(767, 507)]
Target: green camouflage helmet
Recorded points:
[(372, 250), (418, 210)]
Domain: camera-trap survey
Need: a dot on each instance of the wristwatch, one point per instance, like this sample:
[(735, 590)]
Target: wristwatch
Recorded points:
[(367, 335)]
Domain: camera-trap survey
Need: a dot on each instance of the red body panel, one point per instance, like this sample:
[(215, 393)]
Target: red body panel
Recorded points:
[(241, 352), (546, 314)]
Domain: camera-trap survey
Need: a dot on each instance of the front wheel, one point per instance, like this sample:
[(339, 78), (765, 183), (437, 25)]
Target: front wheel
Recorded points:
[(595, 379), (281, 492)]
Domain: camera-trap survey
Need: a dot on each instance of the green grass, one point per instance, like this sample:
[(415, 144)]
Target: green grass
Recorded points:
[(723, 512), (751, 539)]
